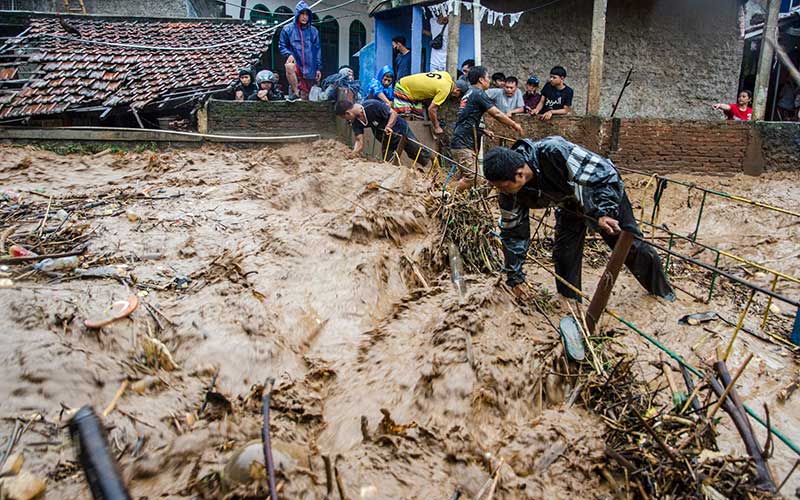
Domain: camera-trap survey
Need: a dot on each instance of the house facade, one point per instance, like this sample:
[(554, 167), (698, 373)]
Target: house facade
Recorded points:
[(343, 30)]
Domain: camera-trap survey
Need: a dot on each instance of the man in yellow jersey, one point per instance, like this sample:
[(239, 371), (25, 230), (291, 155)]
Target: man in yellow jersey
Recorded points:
[(411, 91)]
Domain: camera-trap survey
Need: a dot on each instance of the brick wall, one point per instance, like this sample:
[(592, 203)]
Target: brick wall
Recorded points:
[(271, 118), (669, 146), (681, 146)]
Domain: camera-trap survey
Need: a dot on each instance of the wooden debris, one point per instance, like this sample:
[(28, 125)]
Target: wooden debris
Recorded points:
[(157, 354)]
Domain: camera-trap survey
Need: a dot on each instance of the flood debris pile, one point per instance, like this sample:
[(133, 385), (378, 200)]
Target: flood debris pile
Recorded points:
[(661, 441), (468, 222)]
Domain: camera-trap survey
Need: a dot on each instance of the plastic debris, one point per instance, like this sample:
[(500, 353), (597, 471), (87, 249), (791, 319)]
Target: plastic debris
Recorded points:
[(60, 264), (103, 272), (120, 309), (572, 338), (696, 319), (20, 251)]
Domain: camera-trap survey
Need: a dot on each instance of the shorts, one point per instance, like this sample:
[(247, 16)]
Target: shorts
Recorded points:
[(304, 84), (404, 104)]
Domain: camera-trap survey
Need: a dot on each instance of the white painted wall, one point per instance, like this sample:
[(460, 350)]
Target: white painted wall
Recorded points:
[(344, 15)]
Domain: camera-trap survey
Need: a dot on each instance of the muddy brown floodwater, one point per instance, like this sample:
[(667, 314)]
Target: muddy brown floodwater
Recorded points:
[(327, 273)]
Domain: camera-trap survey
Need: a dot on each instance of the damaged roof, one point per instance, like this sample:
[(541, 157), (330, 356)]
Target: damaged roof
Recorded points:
[(71, 74)]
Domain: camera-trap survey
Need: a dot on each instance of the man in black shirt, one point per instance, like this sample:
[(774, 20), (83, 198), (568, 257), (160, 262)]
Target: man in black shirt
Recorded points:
[(588, 192), (467, 133), (556, 96), (387, 126)]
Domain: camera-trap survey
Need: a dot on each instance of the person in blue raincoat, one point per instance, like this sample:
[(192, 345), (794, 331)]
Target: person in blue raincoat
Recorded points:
[(299, 44), (382, 86)]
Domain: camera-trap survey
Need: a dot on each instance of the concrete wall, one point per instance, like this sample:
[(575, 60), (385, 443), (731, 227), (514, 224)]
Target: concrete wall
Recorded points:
[(686, 53), (255, 118)]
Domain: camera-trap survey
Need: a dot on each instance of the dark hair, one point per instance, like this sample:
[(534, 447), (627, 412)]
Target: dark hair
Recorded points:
[(501, 164), (748, 92), (476, 73), (512, 79), (343, 107), (401, 40), (559, 71), (468, 62), (498, 76)]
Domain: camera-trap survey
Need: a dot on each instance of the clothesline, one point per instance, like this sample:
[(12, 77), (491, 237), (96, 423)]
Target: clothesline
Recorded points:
[(492, 17)]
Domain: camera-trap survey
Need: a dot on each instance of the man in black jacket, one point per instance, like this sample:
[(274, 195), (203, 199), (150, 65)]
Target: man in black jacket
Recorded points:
[(587, 190)]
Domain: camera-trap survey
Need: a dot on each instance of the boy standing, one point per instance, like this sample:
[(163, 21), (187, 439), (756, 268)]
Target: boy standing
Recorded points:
[(556, 96), (402, 59), (299, 43), (532, 96)]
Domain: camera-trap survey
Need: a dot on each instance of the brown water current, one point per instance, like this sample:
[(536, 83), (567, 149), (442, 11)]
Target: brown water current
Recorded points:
[(328, 274)]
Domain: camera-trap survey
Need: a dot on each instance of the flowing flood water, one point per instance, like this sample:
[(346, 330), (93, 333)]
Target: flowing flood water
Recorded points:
[(329, 274)]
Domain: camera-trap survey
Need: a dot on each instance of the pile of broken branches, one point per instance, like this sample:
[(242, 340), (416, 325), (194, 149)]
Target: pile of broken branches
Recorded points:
[(468, 222), (664, 445)]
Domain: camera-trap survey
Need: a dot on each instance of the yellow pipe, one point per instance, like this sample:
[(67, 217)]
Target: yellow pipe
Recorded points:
[(388, 143), (759, 266), (769, 303), (764, 205), (739, 326), (750, 263)]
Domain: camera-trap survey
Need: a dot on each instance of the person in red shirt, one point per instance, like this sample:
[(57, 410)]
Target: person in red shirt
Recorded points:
[(739, 111)]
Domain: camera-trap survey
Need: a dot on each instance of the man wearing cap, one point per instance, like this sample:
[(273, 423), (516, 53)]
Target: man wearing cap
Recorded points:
[(588, 192), (531, 97)]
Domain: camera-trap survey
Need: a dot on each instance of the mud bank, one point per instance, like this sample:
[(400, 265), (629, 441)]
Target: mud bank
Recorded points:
[(326, 273)]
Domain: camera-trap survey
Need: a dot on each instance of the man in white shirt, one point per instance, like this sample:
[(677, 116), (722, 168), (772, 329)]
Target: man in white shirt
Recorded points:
[(439, 43)]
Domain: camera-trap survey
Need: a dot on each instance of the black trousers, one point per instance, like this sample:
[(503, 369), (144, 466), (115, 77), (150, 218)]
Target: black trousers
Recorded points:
[(643, 260), (411, 149)]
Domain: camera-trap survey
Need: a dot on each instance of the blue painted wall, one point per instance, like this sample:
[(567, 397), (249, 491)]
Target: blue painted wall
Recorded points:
[(407, 22), (366, 65)]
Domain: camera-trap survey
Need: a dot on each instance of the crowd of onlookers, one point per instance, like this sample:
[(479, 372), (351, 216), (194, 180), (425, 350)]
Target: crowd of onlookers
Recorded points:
[(299, 43)]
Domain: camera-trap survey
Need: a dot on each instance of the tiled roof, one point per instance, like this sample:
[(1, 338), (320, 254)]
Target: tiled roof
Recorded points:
[(73, 74)]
